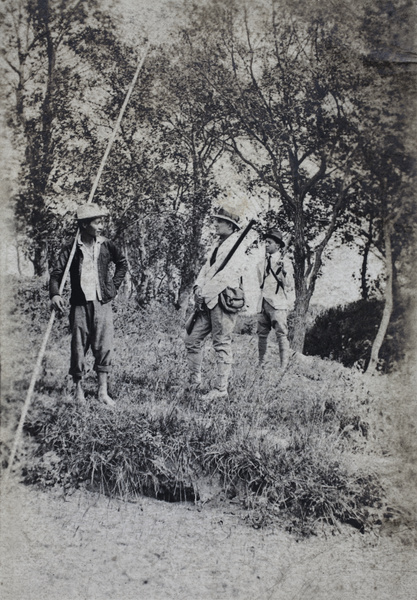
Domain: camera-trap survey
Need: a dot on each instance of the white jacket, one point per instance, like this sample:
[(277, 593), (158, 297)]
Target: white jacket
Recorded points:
[(211, 284), (284, 297)]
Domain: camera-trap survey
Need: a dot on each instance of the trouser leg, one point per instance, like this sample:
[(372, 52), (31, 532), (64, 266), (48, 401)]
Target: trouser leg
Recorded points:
[(279, 323), (80, 325), (223, 324), (102, 336), (194, 345), (263, 329)]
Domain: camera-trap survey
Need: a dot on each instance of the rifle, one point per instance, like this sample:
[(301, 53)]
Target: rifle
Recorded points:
[(189, 325)]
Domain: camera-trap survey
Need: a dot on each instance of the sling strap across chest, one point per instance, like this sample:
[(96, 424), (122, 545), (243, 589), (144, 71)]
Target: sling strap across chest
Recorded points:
[(275, 274)]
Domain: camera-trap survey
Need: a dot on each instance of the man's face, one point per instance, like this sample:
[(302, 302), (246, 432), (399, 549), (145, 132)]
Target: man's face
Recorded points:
[(271, 246), (223, 228), (94, 227)]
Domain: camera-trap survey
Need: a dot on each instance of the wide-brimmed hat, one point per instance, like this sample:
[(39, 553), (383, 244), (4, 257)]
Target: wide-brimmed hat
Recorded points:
[(276, 235), (225, 215), (91, 211)]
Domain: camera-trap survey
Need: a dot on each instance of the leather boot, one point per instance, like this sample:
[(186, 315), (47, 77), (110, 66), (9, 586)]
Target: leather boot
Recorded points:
[(262, 346), (222, 380), (219, 390), (284, 351)]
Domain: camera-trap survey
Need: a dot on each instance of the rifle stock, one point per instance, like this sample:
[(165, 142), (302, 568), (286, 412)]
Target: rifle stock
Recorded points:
[(190, 322)]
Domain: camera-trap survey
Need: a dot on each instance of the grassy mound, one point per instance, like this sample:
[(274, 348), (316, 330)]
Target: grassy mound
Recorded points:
[(291, 449)]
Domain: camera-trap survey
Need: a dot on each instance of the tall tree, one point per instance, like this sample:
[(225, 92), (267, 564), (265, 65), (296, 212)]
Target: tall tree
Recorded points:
[(43, 50), (390, 172), (166, 155), (388, 148), (189, 116), (290, 92)]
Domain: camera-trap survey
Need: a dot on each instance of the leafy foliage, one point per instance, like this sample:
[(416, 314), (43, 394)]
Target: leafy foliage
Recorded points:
[(292, 93), (345, 333), (312, 118)]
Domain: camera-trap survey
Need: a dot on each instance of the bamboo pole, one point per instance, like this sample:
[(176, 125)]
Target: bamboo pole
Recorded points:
[(41, 353)]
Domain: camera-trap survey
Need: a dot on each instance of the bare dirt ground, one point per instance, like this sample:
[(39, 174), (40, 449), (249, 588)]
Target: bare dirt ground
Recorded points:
[(87, 547)]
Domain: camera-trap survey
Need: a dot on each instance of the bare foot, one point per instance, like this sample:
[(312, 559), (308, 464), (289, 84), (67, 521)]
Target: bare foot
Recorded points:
[(79, 394), (107, 400)]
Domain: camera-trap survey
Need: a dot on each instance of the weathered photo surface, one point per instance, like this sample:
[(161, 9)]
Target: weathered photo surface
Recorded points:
[(208, 300)]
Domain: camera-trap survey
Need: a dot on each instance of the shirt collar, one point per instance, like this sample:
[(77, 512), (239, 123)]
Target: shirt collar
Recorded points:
[(275, 258), (99, 240)]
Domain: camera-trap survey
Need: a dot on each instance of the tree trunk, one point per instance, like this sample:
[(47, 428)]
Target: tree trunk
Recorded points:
[(18, 261), (364, 266), (302, 295), (40, 259), (144, 279), (300, 322), (388, 296), (127, 284)]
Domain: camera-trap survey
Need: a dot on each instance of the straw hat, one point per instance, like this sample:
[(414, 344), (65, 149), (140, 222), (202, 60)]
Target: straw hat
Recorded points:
[(91, 211)]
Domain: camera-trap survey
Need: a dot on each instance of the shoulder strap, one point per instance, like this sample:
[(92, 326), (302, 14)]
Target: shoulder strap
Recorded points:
[(275, 276)]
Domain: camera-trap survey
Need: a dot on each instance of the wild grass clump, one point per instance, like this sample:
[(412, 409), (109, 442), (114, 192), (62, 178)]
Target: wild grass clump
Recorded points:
[(123, 454), (293, 449)]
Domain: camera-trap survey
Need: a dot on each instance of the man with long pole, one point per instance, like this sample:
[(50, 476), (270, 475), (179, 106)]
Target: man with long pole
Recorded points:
[(92, 290), (48, 330)]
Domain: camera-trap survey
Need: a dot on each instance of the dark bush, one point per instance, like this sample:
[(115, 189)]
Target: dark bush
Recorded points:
[(346, 333)]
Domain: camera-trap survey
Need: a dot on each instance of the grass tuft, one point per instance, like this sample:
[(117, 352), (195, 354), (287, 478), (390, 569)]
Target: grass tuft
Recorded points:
[(293, 450)]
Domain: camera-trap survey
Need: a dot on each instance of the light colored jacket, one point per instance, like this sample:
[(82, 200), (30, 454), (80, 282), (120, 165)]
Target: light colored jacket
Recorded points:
[(278, 296), (212, 285)]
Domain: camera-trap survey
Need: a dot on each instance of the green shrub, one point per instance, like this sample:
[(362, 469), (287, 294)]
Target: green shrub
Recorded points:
[(122, 454), (346, 333)]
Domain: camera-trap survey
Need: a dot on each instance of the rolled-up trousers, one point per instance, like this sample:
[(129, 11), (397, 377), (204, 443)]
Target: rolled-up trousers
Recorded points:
[(91, 326)]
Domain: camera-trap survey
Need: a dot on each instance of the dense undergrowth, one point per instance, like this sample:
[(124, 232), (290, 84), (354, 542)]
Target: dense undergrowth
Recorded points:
[(293, 450), (345, 333)]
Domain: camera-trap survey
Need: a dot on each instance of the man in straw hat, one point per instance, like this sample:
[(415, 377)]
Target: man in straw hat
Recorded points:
[(212, 316), (276, 281), (92, 289)]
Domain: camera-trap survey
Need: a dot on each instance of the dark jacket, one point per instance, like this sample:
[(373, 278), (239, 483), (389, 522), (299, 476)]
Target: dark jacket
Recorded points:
[(108, 284)]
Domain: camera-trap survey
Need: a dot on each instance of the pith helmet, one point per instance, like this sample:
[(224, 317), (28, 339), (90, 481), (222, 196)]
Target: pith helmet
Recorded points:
[(276, 235), (91, 211), (225, 215)]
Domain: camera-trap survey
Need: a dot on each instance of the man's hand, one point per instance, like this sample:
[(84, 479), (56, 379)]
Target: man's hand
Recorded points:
[(58, 304), (198, 297)]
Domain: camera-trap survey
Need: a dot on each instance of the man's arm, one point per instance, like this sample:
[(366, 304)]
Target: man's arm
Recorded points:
[(57, 272), (260, 268), (202, 275), (229, 276), (56, 278), (120, 261)]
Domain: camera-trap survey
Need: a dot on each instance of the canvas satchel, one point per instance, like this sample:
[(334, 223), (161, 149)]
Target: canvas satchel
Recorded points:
[(232, 300)]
